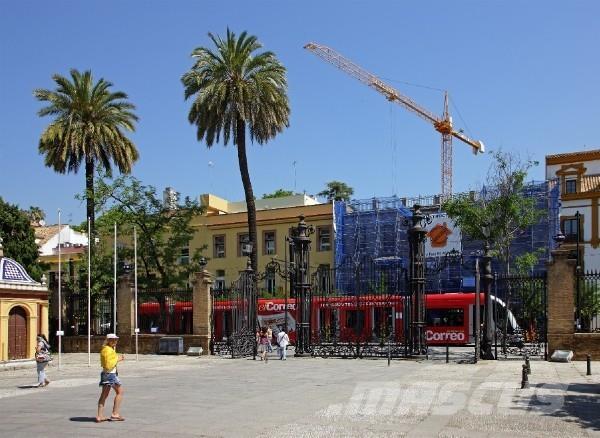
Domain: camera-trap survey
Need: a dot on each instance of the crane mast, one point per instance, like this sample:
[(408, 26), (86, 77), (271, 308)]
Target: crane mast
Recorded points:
[(441, 124)]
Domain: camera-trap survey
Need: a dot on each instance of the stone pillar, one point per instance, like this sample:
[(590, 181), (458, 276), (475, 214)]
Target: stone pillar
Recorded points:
[(44, 316), (202, 309), (125, 313), (561, 301)]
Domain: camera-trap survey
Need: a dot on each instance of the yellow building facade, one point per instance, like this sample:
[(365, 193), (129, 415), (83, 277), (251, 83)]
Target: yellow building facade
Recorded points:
[(223, 229), (23, 311)]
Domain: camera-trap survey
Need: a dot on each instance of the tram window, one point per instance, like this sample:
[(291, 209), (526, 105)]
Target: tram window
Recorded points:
[(445, 317), (355, 319)]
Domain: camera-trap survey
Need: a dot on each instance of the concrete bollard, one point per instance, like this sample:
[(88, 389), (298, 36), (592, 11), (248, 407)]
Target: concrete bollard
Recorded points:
[(527, 364), (524, 378), (589, 364)]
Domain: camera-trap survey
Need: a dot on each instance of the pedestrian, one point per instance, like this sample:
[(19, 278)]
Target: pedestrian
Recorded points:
[(270, 337), (262, 344), (282, 340), (109, 378), (42, 358)]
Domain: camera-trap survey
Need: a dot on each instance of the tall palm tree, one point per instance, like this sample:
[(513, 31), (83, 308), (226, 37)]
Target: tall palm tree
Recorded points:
[(236, 89), (88, 126)]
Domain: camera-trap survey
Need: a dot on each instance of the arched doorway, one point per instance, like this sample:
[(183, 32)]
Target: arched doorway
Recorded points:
[(17, 333)]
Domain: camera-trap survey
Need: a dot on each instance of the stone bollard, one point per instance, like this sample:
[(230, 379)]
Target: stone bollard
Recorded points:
[(589, 364), (527, 364), (524, 378)]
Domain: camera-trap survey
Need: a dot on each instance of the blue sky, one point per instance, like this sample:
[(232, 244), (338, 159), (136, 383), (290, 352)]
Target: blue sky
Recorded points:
[(523, 76)]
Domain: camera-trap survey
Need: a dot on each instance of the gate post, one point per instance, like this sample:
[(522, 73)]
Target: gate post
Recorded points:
[(301, 287), (561, 301), (125, 312), (417, 282), (201, 308)]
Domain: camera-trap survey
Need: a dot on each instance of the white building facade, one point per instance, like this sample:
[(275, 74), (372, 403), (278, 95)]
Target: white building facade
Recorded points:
[(579, 178)]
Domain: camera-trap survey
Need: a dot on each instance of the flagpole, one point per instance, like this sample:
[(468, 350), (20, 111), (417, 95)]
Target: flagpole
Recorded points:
[(135, 285), (115, 284), (59, 332), (89, 300)]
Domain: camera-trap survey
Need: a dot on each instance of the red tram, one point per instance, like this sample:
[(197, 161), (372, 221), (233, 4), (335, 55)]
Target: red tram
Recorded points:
[(450, 317)]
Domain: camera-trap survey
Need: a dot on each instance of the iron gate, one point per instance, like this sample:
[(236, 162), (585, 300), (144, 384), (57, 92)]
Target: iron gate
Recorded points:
[(358, 309), (234, 317), (520, 312)]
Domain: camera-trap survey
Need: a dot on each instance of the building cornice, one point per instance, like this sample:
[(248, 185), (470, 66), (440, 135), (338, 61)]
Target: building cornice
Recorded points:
[(573, 157)]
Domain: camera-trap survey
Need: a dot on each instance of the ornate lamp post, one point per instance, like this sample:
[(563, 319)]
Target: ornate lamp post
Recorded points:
[(301, 286), (487, 277), (417, 235)]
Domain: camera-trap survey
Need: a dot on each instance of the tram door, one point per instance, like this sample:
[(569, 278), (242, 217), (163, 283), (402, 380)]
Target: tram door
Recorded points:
[(354, 324), (383, 323), (328, 323)]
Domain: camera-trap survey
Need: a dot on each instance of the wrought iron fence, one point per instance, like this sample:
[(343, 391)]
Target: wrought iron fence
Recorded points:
[(587, 302), (75, 313), (520, 315), (234, 318), (165, 311), (360, 318)]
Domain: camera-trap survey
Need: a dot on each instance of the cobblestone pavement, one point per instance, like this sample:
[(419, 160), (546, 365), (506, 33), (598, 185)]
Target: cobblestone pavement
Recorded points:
[(190, 396)]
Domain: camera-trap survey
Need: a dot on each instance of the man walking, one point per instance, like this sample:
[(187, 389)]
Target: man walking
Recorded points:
[(282, 340)]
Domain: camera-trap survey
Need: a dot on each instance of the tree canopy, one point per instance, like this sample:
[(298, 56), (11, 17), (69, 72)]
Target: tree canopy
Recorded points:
[(234, 89), (279, 193), (18, 238), (337, 191), (88, 126), (163, 233), (500, 212)]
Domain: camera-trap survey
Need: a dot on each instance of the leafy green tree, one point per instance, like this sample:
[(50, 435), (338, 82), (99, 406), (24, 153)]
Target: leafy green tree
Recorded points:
[(18, 238), (88, 127), (235, 90), (497, 216), (337, 191), (502, 212), (279, 193), (162, 232), (36, 214)]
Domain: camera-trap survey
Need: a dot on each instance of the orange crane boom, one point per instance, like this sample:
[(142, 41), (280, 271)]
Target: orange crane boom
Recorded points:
[(442, 124)]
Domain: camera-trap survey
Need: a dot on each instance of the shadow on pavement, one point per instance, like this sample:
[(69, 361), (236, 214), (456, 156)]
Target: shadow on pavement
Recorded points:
[(582, 407), (83, 419), (36, 385)]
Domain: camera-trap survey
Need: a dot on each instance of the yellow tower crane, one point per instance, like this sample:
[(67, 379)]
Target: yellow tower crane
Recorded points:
[(442, 124)]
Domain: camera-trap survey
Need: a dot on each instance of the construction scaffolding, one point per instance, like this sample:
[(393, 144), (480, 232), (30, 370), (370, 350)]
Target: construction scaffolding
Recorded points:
[(374, 232)]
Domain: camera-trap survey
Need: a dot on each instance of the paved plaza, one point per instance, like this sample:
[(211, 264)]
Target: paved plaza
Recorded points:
[(213, 397)]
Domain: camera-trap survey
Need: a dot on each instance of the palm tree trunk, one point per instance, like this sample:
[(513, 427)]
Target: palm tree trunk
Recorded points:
[(89, 194), (250, 205)]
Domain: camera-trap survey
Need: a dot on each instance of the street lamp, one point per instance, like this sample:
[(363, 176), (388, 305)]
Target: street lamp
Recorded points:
[(486, 347)]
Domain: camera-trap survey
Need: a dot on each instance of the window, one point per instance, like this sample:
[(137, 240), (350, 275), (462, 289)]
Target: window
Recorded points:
[(243, 239), (270, 282), (269, 242), (219, 279), (445, 317), (355, 320), (324, 238), (570, 229), (184, 256), (571, 186), (219, 246)]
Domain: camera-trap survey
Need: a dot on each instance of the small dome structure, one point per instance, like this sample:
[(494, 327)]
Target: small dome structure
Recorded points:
[(13, 273)]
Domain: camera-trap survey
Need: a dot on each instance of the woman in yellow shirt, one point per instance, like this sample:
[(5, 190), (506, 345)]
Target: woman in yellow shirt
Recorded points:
[(109, 378)]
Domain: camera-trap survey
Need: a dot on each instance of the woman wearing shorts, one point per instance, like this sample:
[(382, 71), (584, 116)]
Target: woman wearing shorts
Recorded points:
[(109, 378), (263, 340)]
